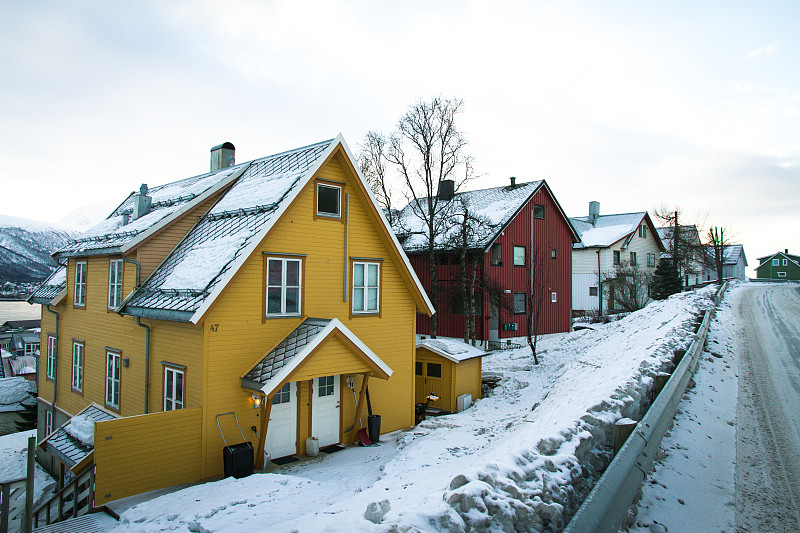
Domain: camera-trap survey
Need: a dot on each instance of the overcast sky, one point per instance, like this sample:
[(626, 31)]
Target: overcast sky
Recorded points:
[(633, 104)]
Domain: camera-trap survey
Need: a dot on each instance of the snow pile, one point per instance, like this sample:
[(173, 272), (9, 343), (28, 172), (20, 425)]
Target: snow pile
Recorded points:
[(14, 392), (203, 263), (81, 428), (14, 464), (521, 459)]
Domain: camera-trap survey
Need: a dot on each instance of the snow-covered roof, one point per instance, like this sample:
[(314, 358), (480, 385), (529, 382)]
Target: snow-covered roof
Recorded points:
[(51, 287), (195, 268), (73, 441), (731, 254), (276, 366), (168, 201), (452, 349), (607, 229), (496, 207), (23, 365), (15, 393)]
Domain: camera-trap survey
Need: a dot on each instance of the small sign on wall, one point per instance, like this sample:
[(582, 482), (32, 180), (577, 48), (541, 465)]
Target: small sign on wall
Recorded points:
[(510, 326)]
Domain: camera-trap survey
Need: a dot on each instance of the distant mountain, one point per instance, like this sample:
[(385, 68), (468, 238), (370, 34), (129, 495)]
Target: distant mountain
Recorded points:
[(25, 248), (86, 217)]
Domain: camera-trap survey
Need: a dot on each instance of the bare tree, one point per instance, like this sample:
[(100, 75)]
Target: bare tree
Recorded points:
[(682, 241), (372, 161), (536, 296), (715, 258), (428, 149), (628, 286)]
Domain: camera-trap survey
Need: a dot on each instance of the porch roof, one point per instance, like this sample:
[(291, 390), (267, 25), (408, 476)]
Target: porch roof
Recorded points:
[(276, 367), (65, 446)]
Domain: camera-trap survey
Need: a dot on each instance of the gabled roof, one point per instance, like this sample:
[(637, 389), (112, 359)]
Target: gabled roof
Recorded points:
[(276, 366), (24, 324), (194, 274), (65, 446), (730, 254), (169, 202), (609, 229), (496, 206), (793, 258), (50, 288), (451, 349)]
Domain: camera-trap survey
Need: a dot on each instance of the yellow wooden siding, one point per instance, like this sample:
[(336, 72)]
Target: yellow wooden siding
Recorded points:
[(332, 354), (149, 452), (236, 335), (467, 379), (444, 387)]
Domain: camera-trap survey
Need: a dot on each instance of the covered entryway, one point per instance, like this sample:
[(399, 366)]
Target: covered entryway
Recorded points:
[(325, 402), (301, 379), (281, 437)]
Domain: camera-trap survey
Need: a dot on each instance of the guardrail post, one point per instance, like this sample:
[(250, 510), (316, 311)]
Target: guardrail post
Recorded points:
[(622, 430), (28, 527), (660, 382)]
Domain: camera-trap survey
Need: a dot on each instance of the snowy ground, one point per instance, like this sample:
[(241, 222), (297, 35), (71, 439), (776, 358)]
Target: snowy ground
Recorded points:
[(521, 459), (14, 463)]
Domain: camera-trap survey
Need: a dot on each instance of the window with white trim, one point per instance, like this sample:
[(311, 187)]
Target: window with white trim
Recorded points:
[(785, 262), (519, 256), (643, 231), (329, 203), (48, 422), (284, 281), (325, 386), (77, 366), (781, 274), (283, 395), (114, 283), (52, 346), (553, 297), (366, 287), (112, 379), (633, 258), (31, 348), (776, 262), (651, 260), (173, 388), (80, 283)]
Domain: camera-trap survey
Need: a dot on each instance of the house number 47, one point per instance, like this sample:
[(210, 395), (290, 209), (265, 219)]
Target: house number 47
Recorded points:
[(213, 327)]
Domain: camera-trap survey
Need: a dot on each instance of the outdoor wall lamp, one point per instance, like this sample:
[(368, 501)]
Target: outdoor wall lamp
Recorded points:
[(256, 400)]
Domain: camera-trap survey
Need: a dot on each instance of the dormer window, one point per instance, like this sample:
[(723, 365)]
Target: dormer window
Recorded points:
[(329, 200)]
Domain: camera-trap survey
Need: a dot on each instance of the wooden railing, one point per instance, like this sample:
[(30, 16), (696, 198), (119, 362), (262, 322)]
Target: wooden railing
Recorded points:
[(12, 505), (75, 499)]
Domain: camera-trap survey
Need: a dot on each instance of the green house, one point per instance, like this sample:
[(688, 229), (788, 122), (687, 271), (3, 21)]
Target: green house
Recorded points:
[(781, 265)]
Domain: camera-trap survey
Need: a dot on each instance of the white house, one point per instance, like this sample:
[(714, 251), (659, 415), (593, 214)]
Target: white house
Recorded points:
[(691, 268), (608, 242), (734, 263)]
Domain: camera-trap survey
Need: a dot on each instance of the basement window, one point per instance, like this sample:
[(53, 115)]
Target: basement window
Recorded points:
[(781, 274)]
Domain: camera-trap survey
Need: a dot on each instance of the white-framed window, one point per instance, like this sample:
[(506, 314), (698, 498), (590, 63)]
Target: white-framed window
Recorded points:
[(366, 287), (284, 281), (781, 274), (519, 256), (80, 283), (114, 283), (329, 200), (633, 258), (553, 253), (325, 386), (643, 231), (785, 262), (554, 297), (112, 379), (519, 303), (283, 395), (776, 262), (48, 422), (651, 260), (52, 347), (31, 348), (173, 388), (77, 366)]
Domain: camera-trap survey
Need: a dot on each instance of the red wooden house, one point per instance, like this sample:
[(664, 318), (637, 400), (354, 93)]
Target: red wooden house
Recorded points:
[(523, 241)]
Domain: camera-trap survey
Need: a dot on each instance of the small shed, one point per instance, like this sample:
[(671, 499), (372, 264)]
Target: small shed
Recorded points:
[(447, 368)]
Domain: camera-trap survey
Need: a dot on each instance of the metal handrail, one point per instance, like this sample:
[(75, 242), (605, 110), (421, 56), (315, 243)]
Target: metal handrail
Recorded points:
[(71, 501)]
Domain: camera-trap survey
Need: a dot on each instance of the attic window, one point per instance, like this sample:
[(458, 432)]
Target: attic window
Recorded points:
[(643, 231), (329, 200), (538, 211), (776, 262)]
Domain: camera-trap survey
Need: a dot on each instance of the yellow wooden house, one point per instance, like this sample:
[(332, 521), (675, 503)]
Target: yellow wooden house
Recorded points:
[(447, 368), (264, 289)]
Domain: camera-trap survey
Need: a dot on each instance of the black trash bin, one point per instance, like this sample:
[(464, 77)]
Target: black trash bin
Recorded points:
[(238, 459), (374, 427)]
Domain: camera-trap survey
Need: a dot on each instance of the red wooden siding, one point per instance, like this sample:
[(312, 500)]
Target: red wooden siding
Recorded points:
[(549, 233)]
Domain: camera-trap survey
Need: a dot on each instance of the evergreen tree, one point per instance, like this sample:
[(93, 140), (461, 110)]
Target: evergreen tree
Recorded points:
[(666, 281), (28, 415)]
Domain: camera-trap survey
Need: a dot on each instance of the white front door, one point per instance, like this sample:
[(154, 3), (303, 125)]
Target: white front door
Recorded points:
[(282, 429), (325, 410)]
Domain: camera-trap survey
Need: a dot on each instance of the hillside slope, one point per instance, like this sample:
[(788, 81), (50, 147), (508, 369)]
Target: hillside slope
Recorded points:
[(25, 248)]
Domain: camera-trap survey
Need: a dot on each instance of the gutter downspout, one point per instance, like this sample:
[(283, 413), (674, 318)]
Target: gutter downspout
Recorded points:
[(346, 244), (146, 339)]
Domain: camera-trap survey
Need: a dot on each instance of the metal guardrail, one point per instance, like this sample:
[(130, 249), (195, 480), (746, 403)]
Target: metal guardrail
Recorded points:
[(607, 505)]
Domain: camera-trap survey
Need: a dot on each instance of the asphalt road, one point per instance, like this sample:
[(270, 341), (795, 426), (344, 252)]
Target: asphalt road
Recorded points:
[(768, 435)]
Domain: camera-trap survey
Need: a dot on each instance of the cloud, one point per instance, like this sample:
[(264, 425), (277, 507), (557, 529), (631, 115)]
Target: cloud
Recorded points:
[(772, 49)]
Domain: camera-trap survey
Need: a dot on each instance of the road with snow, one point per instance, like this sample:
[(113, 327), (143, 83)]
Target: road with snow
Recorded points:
[(768, 437), (730, 463)]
